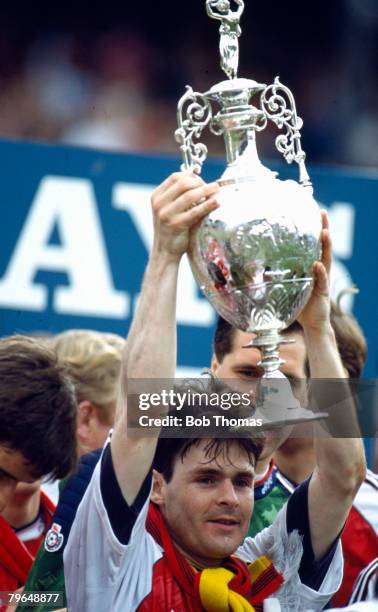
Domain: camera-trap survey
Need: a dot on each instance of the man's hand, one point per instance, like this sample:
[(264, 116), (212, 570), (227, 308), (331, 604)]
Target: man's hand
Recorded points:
[(316, 314), (178, 204)]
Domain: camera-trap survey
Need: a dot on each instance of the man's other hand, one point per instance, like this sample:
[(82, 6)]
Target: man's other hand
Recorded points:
[(316, 314)]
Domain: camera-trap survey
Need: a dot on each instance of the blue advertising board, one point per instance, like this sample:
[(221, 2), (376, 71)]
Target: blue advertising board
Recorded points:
[(76, 230)]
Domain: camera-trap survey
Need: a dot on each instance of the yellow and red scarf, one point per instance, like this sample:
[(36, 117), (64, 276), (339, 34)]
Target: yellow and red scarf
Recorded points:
[(235, 587)]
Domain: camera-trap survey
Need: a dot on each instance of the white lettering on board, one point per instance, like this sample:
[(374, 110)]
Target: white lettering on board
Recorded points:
[(192, 308), (68, 204)]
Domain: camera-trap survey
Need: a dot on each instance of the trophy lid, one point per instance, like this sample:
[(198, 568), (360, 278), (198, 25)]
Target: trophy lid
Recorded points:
[(235, 85)]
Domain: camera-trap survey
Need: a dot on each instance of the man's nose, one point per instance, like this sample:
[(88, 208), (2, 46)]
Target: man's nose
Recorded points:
[(227, 494), (7, 488)]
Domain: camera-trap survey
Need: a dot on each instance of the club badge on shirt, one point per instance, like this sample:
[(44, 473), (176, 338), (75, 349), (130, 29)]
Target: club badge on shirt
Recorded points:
[(54, 539)]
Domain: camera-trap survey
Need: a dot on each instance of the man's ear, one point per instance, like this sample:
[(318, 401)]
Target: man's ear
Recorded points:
[(214, 364), (86, 411), (158, 488)]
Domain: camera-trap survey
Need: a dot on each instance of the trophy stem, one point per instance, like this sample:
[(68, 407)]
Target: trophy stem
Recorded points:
[(268, 341), (277, 405)]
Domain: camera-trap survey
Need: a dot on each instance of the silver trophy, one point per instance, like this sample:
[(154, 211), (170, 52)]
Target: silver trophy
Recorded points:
[(253, 256)]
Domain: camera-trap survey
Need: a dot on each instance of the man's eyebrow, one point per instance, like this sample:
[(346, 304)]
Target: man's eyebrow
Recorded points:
[(211, 471), (247, 366), (205, 470), (5, 474), (245, 474)]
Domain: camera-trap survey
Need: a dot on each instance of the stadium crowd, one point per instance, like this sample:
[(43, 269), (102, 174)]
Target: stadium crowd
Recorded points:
[(113, 80)]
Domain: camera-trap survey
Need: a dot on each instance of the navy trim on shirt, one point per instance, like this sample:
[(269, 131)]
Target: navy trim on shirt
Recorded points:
[(72, 494), (311, 572), (122, 516)]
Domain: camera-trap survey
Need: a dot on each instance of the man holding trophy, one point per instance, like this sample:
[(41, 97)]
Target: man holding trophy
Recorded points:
[(164, 559), (163, 523)]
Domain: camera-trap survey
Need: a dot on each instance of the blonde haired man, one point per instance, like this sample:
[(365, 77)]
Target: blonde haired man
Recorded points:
[(93, 361)]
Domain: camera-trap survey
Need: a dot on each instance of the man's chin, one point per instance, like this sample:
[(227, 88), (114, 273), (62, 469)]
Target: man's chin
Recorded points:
[(219, 549)]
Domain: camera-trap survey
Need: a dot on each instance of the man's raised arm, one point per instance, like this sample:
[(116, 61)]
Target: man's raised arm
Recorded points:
[(180, 202), (340, 462)]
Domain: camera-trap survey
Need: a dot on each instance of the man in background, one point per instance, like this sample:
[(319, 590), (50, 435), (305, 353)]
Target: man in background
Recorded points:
[(93, 361), (37, 439)]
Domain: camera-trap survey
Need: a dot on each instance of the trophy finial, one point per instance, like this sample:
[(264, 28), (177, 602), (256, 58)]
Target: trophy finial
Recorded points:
[(229, 32)]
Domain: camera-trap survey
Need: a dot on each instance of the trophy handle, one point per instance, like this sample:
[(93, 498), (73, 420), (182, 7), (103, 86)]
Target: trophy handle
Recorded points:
[(193, 114), (277, 103)]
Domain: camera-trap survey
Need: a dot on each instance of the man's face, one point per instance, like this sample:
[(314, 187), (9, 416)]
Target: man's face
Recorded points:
[(13, 469), (207, 504), (241, 363)]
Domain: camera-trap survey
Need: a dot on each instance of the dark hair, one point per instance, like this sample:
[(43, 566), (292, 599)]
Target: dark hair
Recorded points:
[(224, 337), (37, 407), (350, 340), (170, 448)]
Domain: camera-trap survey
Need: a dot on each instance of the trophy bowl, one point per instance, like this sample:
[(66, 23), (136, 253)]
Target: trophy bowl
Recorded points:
[(253, 256)]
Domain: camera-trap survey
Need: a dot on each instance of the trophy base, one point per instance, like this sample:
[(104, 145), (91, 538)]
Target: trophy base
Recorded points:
[(292, 416)]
